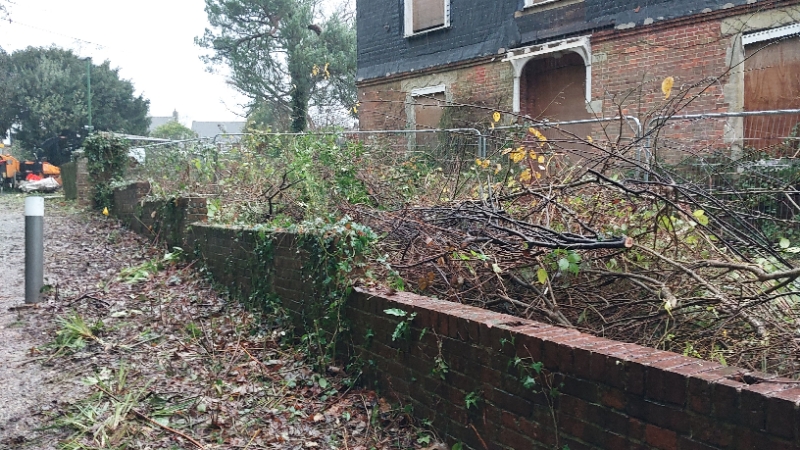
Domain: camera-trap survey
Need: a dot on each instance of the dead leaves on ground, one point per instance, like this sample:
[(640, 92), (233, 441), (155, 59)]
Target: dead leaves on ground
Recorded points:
[(180, 365)]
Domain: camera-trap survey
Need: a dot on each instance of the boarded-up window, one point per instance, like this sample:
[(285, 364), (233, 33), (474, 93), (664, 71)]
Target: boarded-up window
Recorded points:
[(427, 14), (771, 81)]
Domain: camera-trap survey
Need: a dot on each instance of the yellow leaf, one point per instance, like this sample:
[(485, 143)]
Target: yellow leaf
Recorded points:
[(517, 155), (589, 138), (541, 275), (541, 159), (105, 211), (538, 175), (666, 87), (496, 116), (525, 176), (497, 169), (538, 134)]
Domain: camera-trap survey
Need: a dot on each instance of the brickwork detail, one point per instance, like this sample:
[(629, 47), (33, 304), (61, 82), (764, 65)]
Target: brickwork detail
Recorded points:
[(163, 220), (489, 85), (633, 66)]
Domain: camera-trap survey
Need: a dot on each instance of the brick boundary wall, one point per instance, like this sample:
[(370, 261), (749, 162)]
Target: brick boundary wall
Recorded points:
[(613, 395), (162, 220)]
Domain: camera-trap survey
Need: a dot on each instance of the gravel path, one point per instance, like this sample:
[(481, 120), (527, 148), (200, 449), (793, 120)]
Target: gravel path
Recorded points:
[(185, 355), (26, 390)]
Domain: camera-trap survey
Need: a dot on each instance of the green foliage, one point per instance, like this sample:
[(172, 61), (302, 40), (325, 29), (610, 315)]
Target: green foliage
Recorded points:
[(75, 333), (471, 400), (106, 159), (277, 57), (289, 178), (147, 269), (337, 256), (173, 130), (403, 328), (46, 94)]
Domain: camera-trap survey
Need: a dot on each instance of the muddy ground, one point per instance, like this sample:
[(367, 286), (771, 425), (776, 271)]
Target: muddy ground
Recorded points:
[(132, 348)]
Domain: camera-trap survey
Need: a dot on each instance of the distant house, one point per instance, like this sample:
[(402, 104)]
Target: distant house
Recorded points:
[(211, 129), (156, 122)]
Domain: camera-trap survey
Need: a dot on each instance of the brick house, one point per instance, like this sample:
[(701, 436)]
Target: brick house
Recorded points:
[(571, 59)]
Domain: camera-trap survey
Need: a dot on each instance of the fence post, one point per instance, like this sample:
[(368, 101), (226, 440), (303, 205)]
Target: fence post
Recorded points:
[(34, 248)]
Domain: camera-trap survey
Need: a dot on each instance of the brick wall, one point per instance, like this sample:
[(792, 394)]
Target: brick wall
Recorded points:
[(84, 189), (632, 66), (612, 395), (162, 220), (488, 84)]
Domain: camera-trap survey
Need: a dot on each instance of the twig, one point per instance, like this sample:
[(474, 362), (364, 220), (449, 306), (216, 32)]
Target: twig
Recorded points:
[(479, 436), (252, 438)]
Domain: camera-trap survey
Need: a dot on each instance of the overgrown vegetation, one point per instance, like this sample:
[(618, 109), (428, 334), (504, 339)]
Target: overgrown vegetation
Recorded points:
[(106, 160), (589, 232)]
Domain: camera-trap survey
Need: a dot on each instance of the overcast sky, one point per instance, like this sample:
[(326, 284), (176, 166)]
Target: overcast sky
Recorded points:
[(150, 41)]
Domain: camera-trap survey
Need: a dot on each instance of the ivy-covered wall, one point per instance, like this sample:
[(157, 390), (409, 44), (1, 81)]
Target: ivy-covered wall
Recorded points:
[(164, 220)]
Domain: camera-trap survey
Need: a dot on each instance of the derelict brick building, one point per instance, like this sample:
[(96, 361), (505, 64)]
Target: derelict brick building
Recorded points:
[(572, 59)]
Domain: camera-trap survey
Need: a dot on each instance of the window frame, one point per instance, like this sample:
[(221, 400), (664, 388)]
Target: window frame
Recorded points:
[(408, 19), (535, 3)]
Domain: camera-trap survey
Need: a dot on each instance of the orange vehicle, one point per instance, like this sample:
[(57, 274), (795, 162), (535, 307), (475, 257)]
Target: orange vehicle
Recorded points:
[(12, 171), (9, 168)]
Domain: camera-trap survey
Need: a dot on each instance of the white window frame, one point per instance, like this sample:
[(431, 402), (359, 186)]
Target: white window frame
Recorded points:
[(532, 3), (772, 33), (408, 17)]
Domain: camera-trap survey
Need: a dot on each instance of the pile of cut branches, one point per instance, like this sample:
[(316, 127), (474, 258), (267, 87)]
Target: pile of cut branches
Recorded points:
[(565, 232)]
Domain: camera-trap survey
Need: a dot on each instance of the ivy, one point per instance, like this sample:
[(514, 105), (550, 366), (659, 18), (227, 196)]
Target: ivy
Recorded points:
[(106, 159), (337, 255)]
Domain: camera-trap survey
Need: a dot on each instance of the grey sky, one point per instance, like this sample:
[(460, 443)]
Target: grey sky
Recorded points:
[(150, 41)]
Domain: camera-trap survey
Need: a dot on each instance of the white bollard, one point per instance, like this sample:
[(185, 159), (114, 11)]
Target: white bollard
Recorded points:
[(34, 248)]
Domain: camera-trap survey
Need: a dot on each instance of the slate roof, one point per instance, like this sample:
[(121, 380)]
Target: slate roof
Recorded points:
[(156, 122), (211, 129), (480, 28)]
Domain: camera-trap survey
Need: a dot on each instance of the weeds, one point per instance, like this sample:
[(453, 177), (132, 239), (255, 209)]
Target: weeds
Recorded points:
[(75, 333)]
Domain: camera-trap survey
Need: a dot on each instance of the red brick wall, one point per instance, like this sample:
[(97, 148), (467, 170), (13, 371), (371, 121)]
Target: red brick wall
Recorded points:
[(162, 220), (636, 63), (487, 85), (612, 395), (627, 72)]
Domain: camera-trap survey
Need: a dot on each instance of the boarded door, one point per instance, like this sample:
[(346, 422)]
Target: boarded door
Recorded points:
[(771, 81), (428, 111), (555, 89)]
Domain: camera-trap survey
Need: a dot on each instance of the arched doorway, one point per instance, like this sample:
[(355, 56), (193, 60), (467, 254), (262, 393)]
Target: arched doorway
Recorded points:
[(553, 88)]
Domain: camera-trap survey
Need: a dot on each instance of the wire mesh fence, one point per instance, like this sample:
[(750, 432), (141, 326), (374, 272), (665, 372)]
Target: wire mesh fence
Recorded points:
[(747, 159)]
